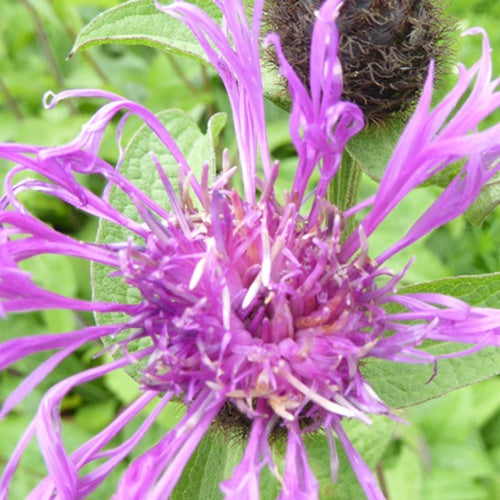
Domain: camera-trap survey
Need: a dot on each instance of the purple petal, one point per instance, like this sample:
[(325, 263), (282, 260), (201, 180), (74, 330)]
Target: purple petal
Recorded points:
[(299, 481)]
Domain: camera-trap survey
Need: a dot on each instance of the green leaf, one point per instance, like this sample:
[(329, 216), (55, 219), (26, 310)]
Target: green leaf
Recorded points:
[(94, 417), (343, 190), (401, 385), (57, 275), (218, 454), (215, 457), (138, 167), (487, 201), (370, 441), (122, 386), (481, 290), (372, 148), (275, 87), (214, 127), (31, 469), (139, 22)]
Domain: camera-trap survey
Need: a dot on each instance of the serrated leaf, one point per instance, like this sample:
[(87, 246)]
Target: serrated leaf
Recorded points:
[(139, 22), (401, 385), (482, 290)]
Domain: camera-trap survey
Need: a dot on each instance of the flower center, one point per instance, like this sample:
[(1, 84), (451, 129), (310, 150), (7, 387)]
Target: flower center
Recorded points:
[(254, 303), (308, 291)]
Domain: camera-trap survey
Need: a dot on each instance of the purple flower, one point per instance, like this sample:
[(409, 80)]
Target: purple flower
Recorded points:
[(266, 307)]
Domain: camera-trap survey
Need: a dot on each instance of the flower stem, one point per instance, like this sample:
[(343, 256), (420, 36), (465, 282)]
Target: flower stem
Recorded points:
[(381, 479), (343, 190), (46, 48), (10, 101)]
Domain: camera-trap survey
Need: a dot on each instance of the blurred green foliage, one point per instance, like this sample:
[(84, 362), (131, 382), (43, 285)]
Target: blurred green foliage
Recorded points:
[(451, 450)]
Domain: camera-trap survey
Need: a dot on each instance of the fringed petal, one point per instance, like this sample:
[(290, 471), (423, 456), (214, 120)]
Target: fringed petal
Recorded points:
[(299, 482), (431, 141)]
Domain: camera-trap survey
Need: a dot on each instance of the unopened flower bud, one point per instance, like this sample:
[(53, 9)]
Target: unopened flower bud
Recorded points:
[(385, 47)]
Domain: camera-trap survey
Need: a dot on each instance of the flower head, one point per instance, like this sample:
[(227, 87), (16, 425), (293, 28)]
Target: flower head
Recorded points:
[(264, 307), (384, 47)]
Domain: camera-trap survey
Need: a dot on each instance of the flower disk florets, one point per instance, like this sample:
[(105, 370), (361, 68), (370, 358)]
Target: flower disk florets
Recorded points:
[(256, 304)]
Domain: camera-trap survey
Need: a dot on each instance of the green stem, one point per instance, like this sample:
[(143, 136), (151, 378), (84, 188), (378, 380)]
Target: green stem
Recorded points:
[(344, 188), (11, 102), (381, 480), (47, 49)]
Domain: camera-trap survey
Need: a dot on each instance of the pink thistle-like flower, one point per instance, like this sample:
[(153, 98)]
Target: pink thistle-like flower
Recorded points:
[(264, 306)]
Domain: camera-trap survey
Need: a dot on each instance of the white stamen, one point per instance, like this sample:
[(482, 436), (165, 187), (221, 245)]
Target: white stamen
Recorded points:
[(197, 273), (226, 307), (252, 291), (279, 409), (214, 386), (226, 160), (315, 397), (359, 414), (266, 257)]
